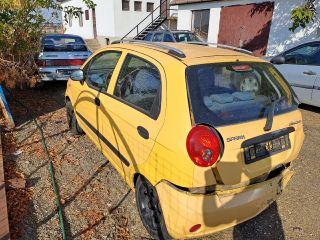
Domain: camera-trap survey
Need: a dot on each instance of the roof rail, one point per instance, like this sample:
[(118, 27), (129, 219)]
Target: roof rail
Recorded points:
[(218, 45), (171, 50)]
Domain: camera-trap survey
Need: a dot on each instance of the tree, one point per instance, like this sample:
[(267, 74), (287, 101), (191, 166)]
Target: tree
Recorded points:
[(21, 25), (303, 15)]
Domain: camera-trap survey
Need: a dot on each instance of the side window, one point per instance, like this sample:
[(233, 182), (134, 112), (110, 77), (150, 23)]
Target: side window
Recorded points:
[(148, 37), (139, 84), (100, 69), (304, 55), (168, 38), (157, 37)]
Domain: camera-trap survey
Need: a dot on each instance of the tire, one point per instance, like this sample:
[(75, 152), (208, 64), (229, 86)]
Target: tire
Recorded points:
[(149, 210), (72, 120)]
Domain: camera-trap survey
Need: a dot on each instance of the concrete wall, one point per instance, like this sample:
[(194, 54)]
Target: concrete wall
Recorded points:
[(86, 31), (111, 21), (126, 20), (280, 37)]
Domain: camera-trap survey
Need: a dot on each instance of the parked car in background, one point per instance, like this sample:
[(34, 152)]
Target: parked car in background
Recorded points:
[(301, 68), (202, 152), (60, 55), (172, 36)]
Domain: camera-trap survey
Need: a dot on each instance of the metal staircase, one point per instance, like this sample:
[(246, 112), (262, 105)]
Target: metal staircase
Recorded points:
[(150, 22)]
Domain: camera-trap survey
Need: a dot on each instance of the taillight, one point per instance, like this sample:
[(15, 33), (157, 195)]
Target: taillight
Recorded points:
[(203, 146), (41, 63), (64, 62)]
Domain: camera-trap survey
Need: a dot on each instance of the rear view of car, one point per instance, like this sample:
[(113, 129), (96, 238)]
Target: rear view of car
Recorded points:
[(60, 55)]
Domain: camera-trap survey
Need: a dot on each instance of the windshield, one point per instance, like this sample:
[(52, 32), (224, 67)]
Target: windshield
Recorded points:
[(58, 43), (186, 37), (230, 93)]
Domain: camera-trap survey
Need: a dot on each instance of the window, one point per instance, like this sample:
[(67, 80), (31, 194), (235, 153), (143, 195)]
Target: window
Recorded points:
[(304, 55), (148, 37), (125, 5), (100, 70), (168, 38), (70, 16), (63, 43), (186, 37), (150, 7), (137, 6), (86, 13), (157, 37), (139, 84), (200, 23), (80, 19)]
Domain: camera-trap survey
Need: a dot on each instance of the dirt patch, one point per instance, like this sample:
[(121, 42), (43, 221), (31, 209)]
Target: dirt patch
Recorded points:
[(90, 187)]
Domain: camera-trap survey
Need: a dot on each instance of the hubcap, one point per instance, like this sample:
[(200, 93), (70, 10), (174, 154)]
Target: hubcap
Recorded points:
[(149, 207)]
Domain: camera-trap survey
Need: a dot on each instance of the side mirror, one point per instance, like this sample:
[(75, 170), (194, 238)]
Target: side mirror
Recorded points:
[(278, 60), (77, 75)]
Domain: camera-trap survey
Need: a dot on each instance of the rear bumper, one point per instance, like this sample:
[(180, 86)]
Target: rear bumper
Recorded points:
[(217, 211), (54, 73)]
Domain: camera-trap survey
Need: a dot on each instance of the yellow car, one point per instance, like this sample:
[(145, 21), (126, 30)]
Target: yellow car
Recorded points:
[(205, 135)]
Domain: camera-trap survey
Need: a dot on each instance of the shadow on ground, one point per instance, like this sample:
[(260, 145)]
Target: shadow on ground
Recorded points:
[(309, 108), (265, 226), (47, 98)]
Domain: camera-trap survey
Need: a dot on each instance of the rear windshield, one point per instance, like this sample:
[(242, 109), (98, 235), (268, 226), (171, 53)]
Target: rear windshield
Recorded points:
[(63, 44), (230, 93), (186, 37)]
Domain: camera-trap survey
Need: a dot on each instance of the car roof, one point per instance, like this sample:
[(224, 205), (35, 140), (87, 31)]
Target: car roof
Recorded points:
[(62, 35), (192, 53), (173, 31)]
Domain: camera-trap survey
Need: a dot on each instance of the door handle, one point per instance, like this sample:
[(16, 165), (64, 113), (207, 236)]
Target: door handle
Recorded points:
[(143, 132), (97, 101), (310, 73)]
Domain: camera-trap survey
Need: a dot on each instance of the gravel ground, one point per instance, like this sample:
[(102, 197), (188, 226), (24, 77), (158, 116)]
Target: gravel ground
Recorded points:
[(91, 188)]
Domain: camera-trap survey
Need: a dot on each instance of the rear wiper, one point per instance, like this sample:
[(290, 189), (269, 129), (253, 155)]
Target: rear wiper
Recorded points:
[(270, 116)]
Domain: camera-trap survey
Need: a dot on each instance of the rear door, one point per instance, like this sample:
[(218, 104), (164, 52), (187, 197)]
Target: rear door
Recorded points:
[(301, 69), (135, 107)]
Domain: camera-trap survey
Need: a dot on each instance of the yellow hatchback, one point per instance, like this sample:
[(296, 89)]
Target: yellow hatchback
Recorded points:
[(205, 135)]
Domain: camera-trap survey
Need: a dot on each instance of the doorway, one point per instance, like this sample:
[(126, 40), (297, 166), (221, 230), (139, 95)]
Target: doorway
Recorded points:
[(200, 23)]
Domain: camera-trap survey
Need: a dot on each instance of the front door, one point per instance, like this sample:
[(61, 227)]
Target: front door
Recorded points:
[(164, 6), (200, 23), (135, 106), (98, 73), (316, 93), (301, 69)]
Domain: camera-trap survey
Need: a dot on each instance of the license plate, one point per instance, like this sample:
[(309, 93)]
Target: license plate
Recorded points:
[(266, 149), (64, 72)]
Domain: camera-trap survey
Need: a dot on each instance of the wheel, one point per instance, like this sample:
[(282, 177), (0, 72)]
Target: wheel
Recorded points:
[(72, 120), (149, 210)]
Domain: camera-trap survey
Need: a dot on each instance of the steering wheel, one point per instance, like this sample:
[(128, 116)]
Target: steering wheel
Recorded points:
[(301, 59)]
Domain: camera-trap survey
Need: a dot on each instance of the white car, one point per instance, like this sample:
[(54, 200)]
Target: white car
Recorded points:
[(301, 68), (61, 54)]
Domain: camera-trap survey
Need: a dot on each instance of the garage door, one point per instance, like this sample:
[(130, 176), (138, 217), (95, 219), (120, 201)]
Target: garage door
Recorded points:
[(246, 26)]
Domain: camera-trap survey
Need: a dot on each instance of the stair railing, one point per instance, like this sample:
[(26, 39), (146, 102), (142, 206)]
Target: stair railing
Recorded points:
[(165, 12)]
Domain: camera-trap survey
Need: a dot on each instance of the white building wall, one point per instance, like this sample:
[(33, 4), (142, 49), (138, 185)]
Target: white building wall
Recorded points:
[(280, 37), (127, 20), (105, 17), (111, 20), (184, 19), (86, 31)]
